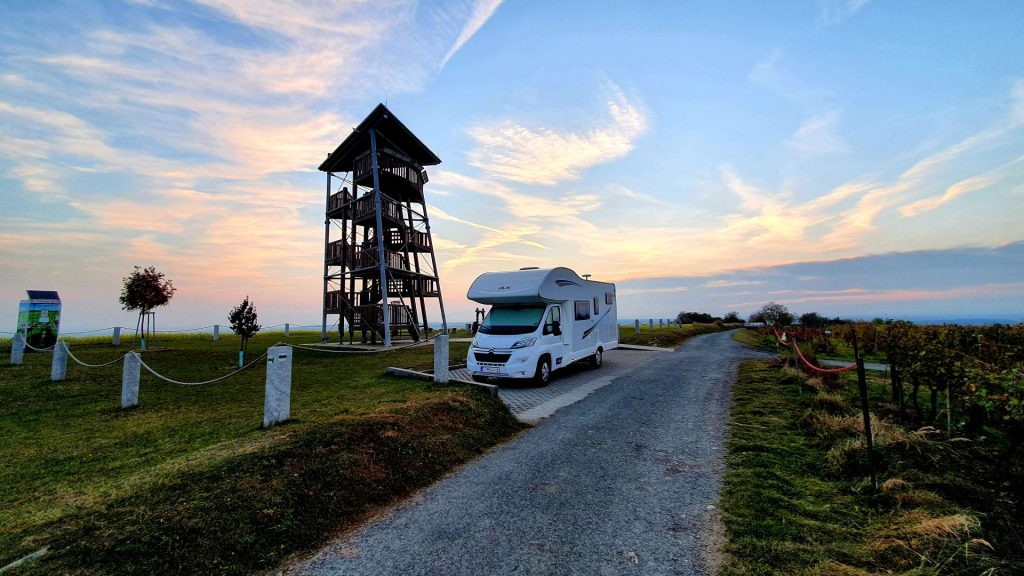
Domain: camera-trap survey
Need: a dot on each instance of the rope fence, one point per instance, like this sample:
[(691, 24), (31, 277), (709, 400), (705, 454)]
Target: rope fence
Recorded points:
[(47, 349), (218, 379), (91, 331), (278, 380), (319, 348), (792, 342), (87, 365)]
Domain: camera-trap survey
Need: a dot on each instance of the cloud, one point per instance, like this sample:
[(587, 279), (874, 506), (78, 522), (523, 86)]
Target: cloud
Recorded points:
[(519, 204), (772, 73), (482, 12), (641, 291), (1017, 114), (877, 297), (1010, 171), (731, 283), (818, 137), (832, 12), (511, 151), (183, 138)]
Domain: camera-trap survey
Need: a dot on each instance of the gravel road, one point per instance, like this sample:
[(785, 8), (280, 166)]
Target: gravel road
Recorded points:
[(619, 483)]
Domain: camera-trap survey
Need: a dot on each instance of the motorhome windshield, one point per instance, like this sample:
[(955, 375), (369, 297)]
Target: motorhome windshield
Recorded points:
[(505, 319)]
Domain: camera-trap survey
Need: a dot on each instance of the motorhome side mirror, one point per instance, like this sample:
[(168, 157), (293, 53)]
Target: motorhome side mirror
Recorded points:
[(556, 328)]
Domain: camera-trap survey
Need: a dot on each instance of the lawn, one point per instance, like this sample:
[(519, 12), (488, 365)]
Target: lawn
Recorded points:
[(100, 485), (670, 336)]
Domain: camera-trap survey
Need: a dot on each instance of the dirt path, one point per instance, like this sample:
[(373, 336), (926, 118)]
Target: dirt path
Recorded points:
[(621, 482)]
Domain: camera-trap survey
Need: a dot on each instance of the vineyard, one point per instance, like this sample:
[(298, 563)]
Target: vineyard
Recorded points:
[(926, 458), (966, 380)]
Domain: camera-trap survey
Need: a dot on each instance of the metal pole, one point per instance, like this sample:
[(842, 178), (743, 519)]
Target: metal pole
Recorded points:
[(433, 264), (381, 260), (327, 242)]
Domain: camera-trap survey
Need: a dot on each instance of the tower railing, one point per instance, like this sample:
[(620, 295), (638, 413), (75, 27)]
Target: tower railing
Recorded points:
[(363, 169)]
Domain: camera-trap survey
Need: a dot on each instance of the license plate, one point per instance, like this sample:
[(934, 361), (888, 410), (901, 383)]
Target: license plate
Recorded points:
[(492, 369)]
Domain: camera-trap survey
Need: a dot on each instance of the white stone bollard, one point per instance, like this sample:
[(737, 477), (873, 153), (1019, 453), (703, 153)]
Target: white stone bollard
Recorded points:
[(130, 380), (286, 329), (661, 325), (278, 397), (441, 359), (638, 326), (59, 366), (216, 332), (116, 338), (17, 349), (650, 323)]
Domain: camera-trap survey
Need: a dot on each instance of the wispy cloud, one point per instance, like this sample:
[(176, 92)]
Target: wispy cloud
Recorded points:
[(818, 136), (731, 283), (772, 73), (831, 12), (512, 151), (641, 291), (482, 12)]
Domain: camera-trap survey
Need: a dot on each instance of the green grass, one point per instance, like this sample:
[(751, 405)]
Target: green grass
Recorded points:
[(781, 516), (170, 478), (796, 499), (671, 336), (756, 339)]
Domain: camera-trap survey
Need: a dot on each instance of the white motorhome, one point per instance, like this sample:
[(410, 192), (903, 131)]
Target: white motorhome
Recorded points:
[(540, 321)]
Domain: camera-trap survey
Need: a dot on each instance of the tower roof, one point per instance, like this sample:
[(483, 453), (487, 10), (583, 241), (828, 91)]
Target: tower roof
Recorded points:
[(388, 126)]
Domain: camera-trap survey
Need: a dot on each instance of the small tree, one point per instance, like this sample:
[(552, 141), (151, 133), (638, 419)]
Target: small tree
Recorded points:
[(732, 317), (773, 315), (695, 318), (813, 320), (243, 321), (143, 290)]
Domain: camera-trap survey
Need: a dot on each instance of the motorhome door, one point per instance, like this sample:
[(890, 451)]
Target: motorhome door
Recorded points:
[(558, 334)]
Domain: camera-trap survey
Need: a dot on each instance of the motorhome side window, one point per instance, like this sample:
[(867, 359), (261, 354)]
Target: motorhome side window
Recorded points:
[(596, 311), (609, 298), (582, 310)]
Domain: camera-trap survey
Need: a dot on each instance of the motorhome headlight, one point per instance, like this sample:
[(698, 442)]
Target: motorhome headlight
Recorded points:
[(525, 343), (473, 344)]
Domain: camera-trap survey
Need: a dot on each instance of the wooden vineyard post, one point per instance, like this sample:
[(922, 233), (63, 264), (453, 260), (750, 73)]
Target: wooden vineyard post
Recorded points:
[(862, 388)]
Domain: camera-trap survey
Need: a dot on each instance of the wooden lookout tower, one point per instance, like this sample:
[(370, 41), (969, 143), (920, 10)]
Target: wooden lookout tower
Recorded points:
[(379, 263)]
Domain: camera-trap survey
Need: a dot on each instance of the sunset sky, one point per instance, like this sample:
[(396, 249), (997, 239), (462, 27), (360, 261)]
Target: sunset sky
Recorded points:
[(852, 158)]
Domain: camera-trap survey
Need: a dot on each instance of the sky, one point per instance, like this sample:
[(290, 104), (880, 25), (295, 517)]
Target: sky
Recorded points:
[(852, 158)]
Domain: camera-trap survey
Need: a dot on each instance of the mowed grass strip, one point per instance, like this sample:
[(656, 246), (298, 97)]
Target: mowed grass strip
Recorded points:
[(781, 516), (188, 482), (796, 498), (671, 336)]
